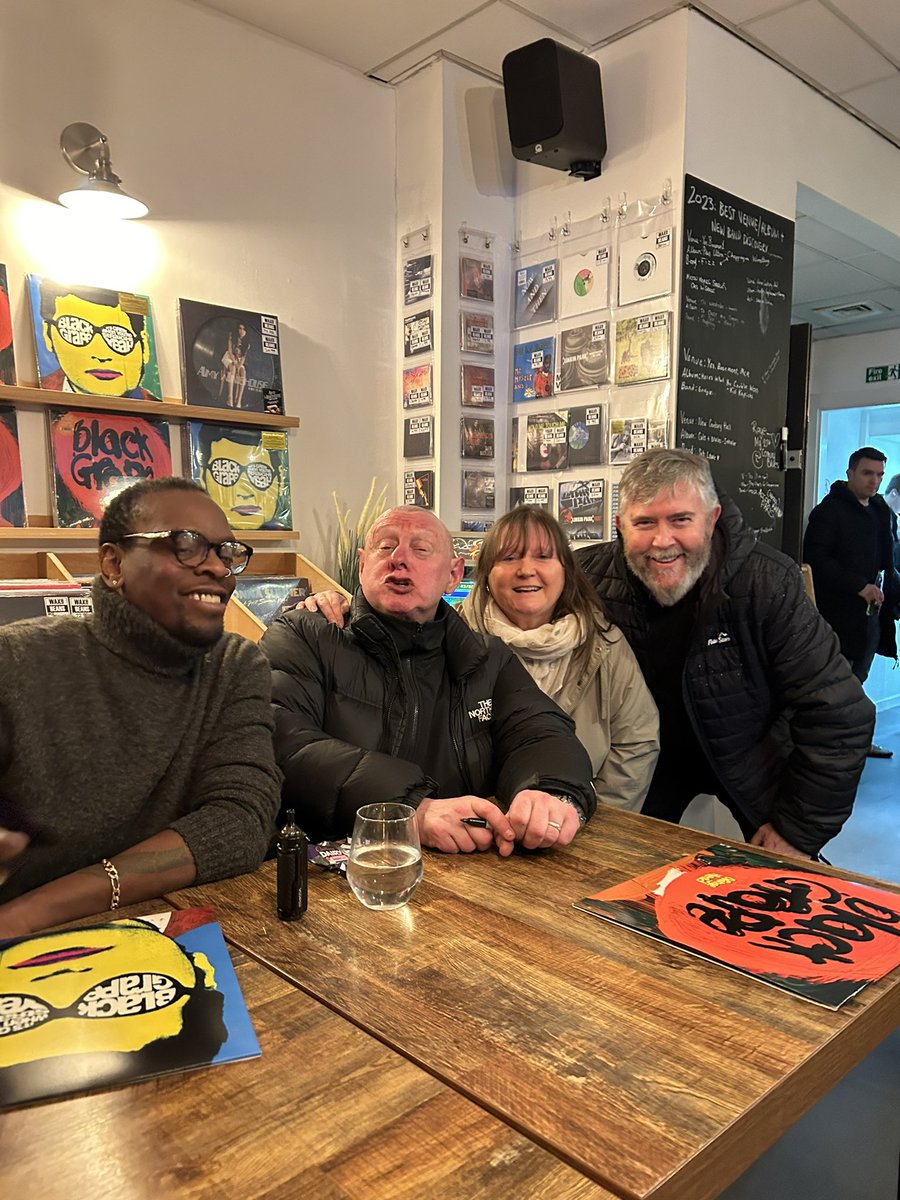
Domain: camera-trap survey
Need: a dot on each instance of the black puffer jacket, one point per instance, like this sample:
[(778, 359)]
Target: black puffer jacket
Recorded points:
[(781, 719), (837, 547), (345, 702)]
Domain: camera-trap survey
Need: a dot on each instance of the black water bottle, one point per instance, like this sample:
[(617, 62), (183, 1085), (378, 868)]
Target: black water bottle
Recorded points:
[(292, 870)]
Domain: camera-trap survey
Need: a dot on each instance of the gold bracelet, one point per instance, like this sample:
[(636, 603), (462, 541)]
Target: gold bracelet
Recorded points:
[(113, 874)]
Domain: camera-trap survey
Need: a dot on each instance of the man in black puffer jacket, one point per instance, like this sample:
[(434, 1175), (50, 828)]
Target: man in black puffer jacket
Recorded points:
[(406, 703), (849, 544), (756, 703)]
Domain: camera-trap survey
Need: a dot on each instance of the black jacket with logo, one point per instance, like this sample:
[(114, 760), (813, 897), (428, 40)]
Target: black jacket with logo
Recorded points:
[(452, 713), (838, 545), (781, 719)]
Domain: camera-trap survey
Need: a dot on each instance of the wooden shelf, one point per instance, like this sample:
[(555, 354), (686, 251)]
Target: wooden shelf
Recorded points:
[(84, 537), (171, 408)]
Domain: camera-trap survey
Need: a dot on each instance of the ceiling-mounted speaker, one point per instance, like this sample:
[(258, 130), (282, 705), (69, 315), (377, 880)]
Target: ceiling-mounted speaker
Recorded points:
[(554, 106)]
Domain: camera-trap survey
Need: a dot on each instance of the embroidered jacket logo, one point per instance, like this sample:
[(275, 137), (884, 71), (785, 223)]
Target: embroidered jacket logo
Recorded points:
[(482, 712), (720, 640)]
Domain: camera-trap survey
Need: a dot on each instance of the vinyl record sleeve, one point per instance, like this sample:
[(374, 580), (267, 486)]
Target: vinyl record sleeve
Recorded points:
[(546, 441), (645, 266), (96, 455), (535, 496), (581, 502), (12, 496), (7, 350), (478, 489), (476, 332), (476, 437), (127, 1000), (109, 348), (418, 436), (584, 281), (514, 454), (418, 488), (230, 357), (417, 386), (627, 439), (418, 333), (587, 444), (476, 386), (583, 356), (476, 279), (418, 279), (643, 348), (535, 293), (244, 469), (533, 370)]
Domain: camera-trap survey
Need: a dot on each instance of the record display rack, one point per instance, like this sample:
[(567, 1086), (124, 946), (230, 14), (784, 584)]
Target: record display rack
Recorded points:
[(40, 529)]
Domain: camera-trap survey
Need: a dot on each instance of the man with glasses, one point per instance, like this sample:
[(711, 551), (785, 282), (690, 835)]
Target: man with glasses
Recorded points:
[(101, 348), (135, 747)]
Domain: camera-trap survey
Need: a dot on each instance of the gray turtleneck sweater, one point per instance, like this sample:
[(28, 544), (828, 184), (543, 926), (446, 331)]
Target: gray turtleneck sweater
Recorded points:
[(111, 730)]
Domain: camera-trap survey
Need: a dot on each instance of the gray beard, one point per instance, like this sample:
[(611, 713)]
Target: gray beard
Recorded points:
[(695, 564)]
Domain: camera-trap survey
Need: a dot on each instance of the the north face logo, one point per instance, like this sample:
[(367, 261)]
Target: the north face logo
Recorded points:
[(482, 712), (720, 640)]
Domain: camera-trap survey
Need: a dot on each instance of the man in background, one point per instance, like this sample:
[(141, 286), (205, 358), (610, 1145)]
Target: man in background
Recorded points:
[(756, 704), (849, 545)]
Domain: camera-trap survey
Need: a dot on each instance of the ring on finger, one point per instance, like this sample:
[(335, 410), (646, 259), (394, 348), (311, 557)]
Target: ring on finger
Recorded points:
[(554, 825)]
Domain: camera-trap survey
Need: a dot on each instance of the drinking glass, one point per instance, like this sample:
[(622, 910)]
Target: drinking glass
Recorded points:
[(385, 863)]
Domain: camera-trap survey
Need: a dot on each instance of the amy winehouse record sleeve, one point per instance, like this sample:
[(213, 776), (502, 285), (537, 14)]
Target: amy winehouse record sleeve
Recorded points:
[(230, 357)]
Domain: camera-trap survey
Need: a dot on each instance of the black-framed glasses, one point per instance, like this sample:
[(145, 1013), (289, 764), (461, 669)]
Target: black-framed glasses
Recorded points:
[(192, 548), (226, 472), (76, 331)]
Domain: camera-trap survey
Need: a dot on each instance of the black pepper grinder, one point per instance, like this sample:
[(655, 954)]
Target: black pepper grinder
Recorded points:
[(292, 865)]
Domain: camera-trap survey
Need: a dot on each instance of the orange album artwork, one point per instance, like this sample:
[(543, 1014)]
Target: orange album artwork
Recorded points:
[(817, 936)]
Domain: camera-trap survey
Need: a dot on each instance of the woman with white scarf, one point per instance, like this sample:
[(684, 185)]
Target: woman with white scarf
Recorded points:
[(530, 592)]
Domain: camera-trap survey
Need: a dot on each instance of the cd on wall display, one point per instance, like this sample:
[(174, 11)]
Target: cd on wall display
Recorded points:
[(584, 281), (643, 348), (417, 386), (418, 488), (476, 279), (477, 386), (534, 496), (418, 333), (645, 266), (476, 330), (533, 370), (230, 357), (418, 278)]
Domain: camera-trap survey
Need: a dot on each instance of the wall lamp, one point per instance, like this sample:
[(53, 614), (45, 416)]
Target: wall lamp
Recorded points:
[(86, 150)]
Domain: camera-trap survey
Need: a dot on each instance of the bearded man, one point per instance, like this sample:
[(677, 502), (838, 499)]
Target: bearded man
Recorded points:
[(757, 705)]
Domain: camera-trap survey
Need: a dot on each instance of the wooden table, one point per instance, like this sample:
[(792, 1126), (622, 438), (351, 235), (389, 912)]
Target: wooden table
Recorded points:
[(650, 1071), (326, 1112)]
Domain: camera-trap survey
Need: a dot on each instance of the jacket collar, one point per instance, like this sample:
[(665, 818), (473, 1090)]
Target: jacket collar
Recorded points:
[(373, 631)]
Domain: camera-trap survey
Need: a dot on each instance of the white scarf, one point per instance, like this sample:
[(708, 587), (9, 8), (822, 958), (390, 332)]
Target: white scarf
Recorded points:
[(545, 652)]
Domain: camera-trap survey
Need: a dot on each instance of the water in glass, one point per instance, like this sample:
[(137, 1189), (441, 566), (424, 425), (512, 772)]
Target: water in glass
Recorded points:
[(385, 864)]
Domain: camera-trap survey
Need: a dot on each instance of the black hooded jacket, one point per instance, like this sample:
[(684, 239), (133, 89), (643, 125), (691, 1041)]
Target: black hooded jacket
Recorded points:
[(782, 721), (838, 546), (362, 716)]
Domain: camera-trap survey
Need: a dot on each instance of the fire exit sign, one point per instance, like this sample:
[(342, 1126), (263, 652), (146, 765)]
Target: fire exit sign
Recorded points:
[(882, 374)]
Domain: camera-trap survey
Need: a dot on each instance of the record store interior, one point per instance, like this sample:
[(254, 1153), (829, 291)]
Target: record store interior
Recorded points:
[(402, 203)]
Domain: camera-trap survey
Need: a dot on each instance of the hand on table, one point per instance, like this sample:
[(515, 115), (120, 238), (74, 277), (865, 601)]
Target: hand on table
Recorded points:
[(769, 838), (541, 820), (331, 605), (441, 828)]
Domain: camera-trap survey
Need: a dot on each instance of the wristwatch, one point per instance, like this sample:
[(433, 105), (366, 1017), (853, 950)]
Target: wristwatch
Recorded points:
[(568, 800)]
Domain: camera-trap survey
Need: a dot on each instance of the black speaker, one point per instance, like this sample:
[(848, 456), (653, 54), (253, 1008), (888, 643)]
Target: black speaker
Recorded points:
[(554, 106)]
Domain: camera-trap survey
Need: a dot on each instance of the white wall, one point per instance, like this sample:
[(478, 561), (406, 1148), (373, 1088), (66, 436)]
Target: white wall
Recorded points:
[(270, 176)]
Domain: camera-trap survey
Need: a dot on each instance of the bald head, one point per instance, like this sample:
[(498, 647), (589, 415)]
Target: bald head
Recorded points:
[(408, 564)]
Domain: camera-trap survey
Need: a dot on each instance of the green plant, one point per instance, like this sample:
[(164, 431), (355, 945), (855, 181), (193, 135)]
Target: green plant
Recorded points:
[(349, 539)]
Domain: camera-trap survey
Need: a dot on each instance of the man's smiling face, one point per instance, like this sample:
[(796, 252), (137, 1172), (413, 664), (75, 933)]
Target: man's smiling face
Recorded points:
[(667, 541)]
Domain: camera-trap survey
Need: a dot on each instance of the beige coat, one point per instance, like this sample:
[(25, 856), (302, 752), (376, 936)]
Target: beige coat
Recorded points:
[(614, 714)]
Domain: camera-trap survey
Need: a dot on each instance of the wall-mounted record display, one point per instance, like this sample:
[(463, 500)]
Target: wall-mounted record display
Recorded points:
[(476, 278), (535, 293), (418, 488), (546, 444), (645, 265), (533, 375), (478, 489), (534, 495), (587, 446), (584, 356), (584, 281), (643, 348), (418, 333), (581, 502), (737, 270), (476, 437), (230, 357), (476, 386), (417, 386), (476, 332), (418, 279), (418, 436)]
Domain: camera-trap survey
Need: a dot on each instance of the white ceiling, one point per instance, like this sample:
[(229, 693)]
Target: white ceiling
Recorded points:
[(848, 49)]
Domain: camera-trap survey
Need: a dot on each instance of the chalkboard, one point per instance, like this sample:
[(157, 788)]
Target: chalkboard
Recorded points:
[(736, 270)]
